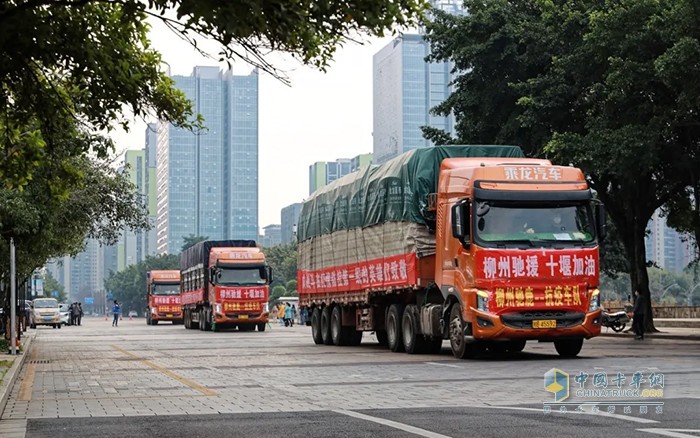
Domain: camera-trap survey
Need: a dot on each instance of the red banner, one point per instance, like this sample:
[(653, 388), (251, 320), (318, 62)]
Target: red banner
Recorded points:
[(192, 297), (241, 293), (509, 266), (397, 270), (165, 300)]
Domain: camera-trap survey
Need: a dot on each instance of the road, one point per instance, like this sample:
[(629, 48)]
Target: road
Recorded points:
[(151, 381)]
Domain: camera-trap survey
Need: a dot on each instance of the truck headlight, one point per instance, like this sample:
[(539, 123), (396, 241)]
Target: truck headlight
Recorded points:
[(482, 301), (217, 308), (594, 303), (154, 311)]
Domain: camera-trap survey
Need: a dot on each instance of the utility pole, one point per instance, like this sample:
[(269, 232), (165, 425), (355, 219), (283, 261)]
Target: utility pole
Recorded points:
[(13, 299)]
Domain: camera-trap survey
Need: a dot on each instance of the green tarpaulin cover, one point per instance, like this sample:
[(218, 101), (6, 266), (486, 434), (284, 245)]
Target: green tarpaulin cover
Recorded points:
[(394, 191)]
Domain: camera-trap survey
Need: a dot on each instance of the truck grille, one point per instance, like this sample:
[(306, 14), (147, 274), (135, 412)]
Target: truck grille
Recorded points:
[(524, 319), (238, 315)]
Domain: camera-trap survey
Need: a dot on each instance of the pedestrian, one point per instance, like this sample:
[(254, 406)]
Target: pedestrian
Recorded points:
[(274, 312), (304, 316), (287, 315), (638, 316), (74, 311), (294, 315), (115, 312), (80, 313), (280, 314)]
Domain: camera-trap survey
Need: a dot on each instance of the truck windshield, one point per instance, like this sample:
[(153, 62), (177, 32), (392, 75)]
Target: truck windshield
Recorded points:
[(529, 223), (240, 276), (166, 289)]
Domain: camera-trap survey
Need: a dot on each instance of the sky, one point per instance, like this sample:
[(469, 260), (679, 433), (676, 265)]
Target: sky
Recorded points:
[(320, 117)]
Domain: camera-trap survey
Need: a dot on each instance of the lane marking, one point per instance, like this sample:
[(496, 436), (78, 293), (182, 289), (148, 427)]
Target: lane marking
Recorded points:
[(196, 386), (604, 414), (443, 364), (25, 388), (674, 433), (396, 425)]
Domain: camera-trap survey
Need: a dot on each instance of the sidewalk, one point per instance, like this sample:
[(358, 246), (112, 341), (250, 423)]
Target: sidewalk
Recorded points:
[(10, 366), (681, 333)]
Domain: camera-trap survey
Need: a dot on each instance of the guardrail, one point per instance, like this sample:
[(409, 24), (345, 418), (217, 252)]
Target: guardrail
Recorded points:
[(659, 311)]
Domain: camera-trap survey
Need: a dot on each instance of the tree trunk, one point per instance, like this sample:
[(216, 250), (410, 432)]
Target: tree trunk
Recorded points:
[(633, 240)]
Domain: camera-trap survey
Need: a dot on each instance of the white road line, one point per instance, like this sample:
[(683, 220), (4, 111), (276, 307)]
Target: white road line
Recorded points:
[(443, 364), (604, 414), (396, 425), (674, 433)]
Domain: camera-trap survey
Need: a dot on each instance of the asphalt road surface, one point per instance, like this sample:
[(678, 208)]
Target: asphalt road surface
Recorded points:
[(163, 381)]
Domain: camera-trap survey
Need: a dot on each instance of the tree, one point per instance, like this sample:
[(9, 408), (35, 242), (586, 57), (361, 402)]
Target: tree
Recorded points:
[(50, 285), (192, 240), (596, 84), (277, 292), (283, 260), (98, 204), (90, 59)]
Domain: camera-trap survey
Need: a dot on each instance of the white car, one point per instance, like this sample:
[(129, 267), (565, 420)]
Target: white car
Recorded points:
[(65, 314), (46, 311)]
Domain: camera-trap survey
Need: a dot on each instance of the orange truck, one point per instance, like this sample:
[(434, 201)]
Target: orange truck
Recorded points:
[(474, 244), (225, 283), (163, 297)]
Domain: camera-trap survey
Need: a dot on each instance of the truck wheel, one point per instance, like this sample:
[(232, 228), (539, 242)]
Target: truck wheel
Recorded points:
[(316, 326), (207, 320), (194, 325), (261, 326), (413, 341), (382, 338), (393, 327), (186, 318), (337, 333), (154, 322), (461, 349), (326, 325), (568, 347)]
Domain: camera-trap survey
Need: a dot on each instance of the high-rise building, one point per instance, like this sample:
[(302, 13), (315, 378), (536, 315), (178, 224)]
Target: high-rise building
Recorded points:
[(207, 182), (405, 89), (131, 248), (150, 242), (666, 247), (290, 219), (272, 235), (324, 172)]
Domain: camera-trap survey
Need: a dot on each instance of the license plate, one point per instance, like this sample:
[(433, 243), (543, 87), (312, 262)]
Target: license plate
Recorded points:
[(48, 318), (168, 315), (242, 316), (544, 323)]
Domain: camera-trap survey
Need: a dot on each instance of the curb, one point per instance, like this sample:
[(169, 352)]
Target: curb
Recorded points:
[(11, 376), (659, 336)]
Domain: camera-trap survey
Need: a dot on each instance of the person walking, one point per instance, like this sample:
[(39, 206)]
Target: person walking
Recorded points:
[(288, 315), (281, 313), (80, 313), (294, 316), (115, 311), (638, 316)]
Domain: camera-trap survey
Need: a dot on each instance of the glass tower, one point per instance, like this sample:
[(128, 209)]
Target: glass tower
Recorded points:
[(207, 181)]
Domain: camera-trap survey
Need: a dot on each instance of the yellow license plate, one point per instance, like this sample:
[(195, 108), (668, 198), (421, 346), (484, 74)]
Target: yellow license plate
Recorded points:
[(169, 315), (242, 316), (544, 323)]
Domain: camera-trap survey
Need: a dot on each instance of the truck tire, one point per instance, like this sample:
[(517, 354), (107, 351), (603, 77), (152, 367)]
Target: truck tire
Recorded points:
[(338, 335), (393, 327), (326, 325), (461, 349), (186, 317), (154, 322), (202, 323), (148, 319), (382, 338), (568, 347), (193, 325), (261, 326), (316, 326), (207, 320), (413, 341)]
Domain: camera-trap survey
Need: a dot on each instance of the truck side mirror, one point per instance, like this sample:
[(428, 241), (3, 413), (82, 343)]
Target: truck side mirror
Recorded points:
[(460, 220), (601, 221), (270, 278), (212, 274)]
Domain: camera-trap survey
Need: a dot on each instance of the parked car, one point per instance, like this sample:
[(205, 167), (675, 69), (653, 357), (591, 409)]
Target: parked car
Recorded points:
[(65, 314), (46, 311), (133, 313)]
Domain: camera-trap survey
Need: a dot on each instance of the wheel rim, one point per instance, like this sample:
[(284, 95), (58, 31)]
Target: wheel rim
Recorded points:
[(456, 333), (335, 329)]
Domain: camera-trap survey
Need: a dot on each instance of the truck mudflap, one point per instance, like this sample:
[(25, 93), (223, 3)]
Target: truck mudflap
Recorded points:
[(535, 325)]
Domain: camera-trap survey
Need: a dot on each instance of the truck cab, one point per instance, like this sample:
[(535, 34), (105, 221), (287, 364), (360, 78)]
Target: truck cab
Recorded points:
[(163, 297)]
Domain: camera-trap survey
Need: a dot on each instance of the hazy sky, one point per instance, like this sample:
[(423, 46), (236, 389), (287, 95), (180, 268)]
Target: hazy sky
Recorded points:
[(320, 117)]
